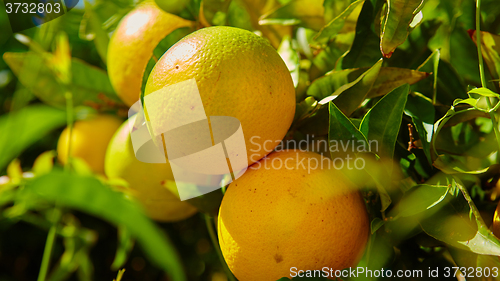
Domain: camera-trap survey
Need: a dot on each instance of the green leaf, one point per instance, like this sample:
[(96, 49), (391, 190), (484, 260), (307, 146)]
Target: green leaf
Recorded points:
[(305, 13), (388, 79), (463, 55), (60, 62), (187, 9), (451, 166), (364, 51), (422, 113), (90, 85), (37, 121), (238, 16), (333, 8), (125, 245), (350, 96), (89, 195), (334, 26), (448, 85), (419, 199), (305, 108), (459, 224), (215, 11), (383, 121), (95, 25), (341, 128), (485, 92), (376, 224), (400, 14), (44, 163), (291, 58), (490, 45)]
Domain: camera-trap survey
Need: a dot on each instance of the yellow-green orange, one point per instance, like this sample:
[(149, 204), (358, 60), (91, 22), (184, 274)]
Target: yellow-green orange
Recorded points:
[(238, 74), (89, 140), (280, 214), (132, 45), (145, 179)]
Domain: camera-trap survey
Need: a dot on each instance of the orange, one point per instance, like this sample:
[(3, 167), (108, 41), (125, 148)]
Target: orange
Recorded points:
[(89, 140), (238, 74), (132, 45), (282, 214), (145, 179)]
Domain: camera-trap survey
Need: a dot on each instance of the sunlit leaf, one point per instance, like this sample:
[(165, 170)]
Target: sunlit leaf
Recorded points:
[(89, 86), (305, 13), (14, 170), (350, 96), (60, 62), (305, 108), (291, 58), (334, 26), (187, 9), (490, 45), (89, 195), (459, 224), (40, 119), (214, 11), (400, 14), (419, 199), (95, 27), (485, 92), (388, 79), (44, 163), (383, 120)]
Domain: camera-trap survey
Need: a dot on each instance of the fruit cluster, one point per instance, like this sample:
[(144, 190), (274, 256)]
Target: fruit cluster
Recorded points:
[(270, 219)]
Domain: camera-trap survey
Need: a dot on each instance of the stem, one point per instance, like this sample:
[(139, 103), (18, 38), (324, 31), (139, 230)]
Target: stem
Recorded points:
[(49, 245), (51, 236), (484, 83), (213, 237), (69, 119)]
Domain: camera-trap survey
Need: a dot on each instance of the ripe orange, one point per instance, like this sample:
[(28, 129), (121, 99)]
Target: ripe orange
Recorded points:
[(145, 179), (282, 214), (238, 74), (132, 45), (89, 140)]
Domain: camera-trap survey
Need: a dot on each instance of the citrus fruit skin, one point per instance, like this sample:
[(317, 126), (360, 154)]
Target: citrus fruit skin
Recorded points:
[(89, 140), (274, 218), (145, 179), (132, 44), (238, 74)]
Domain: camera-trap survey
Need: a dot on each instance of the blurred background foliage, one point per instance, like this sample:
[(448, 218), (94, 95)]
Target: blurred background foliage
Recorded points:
[(436, 209)]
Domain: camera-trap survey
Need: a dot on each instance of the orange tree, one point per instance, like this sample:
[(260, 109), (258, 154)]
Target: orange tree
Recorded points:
[(394, 96)]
